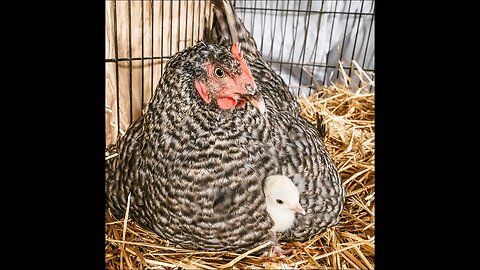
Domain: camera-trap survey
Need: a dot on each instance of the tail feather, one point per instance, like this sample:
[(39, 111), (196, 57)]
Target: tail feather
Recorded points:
[(321, 126), (227, 28)]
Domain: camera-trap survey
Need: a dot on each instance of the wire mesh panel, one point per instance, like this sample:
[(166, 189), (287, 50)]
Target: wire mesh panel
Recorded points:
[(303, 41)]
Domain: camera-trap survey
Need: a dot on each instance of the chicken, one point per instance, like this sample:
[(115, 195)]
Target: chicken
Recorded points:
[(298, 146), (220, 122), (282, 197)]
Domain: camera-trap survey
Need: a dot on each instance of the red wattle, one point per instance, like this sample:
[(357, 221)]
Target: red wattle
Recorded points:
[(226, 103), (202, 90)]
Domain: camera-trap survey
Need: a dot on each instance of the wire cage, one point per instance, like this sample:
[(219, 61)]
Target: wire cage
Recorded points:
[(304, 41)]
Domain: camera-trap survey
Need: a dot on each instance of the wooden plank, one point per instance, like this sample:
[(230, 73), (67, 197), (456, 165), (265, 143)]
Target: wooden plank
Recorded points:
[(171, 26)]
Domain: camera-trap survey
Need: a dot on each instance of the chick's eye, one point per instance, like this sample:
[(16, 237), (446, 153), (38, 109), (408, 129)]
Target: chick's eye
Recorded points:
[(279, 201), (219, 72)]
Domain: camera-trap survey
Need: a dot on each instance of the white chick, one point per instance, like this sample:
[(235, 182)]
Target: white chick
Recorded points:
[(282, 198)]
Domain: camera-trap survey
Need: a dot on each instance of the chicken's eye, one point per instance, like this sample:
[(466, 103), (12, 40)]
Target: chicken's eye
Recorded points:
[(219, 72), (279, 201)]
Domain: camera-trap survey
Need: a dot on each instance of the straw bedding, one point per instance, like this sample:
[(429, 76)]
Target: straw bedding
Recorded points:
[(348, 114)]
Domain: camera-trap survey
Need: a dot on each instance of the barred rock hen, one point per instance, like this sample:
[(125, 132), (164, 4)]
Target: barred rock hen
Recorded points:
[(195, 162)]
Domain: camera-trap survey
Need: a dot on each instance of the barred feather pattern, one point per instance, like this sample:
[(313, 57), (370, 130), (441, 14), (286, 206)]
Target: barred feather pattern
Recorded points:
[(302, 154), (195, 172)]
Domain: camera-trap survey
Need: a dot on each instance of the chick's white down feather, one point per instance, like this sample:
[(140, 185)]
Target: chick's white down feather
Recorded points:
[(282, 199)]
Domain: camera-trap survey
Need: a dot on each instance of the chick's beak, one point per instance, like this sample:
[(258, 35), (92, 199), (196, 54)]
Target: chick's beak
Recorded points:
[(299, 209)]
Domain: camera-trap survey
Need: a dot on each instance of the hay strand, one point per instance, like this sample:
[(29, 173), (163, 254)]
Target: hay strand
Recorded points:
[(232, 262)]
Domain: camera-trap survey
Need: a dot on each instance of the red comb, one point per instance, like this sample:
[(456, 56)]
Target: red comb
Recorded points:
[(235, 50)]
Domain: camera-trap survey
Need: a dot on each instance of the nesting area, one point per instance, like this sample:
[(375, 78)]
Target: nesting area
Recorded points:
[(347, 110)]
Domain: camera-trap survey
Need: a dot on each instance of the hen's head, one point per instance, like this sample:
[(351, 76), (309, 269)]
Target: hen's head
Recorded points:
[(217, 76)]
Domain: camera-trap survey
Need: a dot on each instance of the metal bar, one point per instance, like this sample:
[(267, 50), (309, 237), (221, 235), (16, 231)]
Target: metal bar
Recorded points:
[(161, 40), (116, 64), (143, 59), (208, 21), (283, 37), (200, 18), (171, 27), (345, 35), (355, 41), (315, 46), (292, 49), (263, 27), (254, 16), (306, 11), (309, 7), (136, 58), (330, 42), (130, 54), (178, 23), (244, 12), (193, 24), (368, 40), (268, 61), (273, 32), (153, 31), (311, 65)]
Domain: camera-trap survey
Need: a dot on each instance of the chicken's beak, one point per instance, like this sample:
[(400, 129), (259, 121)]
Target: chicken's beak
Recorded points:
[(255, 99), (299, 209)]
